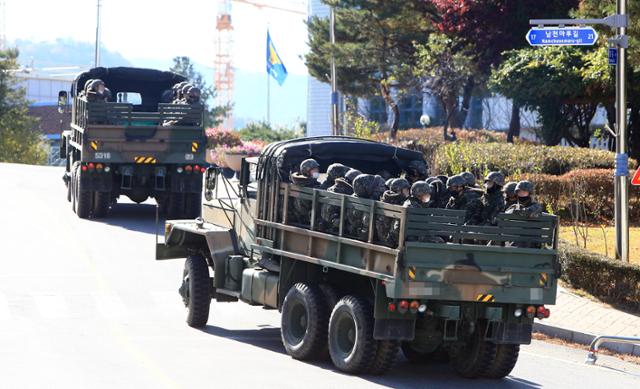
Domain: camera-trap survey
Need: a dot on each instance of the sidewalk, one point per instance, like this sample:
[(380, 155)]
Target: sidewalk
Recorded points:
[(579, 319)]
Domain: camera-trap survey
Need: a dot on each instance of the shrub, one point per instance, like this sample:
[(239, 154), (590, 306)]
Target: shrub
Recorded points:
[(610, 280), (515, 159), (263, 131), (218, 137)]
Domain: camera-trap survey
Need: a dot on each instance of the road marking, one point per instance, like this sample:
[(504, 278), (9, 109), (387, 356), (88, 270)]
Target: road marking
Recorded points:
[(52, 306), (5, 312), (109, 305)]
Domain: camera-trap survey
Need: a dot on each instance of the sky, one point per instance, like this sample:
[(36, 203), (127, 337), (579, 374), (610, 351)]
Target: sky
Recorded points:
[(152, 30)]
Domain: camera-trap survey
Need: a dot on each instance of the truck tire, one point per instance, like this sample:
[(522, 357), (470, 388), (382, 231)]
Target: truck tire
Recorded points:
[(304, 322), (196, 290), (505, 361), (82, 197), (386, 356), (476, 356), (101, 202), (351, 344)]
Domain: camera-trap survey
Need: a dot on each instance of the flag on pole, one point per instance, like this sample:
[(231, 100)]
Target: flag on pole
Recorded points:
[(275, 67)]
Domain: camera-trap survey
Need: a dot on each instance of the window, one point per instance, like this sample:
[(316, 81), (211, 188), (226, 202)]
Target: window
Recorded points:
[(130, 97), (410, 111), (377, 110)]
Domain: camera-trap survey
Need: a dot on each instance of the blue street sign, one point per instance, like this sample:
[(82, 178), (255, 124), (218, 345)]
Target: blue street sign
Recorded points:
[(613, 55), (562, 36)]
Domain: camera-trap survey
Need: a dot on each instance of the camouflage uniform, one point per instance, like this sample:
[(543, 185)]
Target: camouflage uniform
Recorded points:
[(358, 221), (330, 214), (335, 170), (418, 190), (466, 199), (526, 206), (300, 210), (385, 231), (492, 199)]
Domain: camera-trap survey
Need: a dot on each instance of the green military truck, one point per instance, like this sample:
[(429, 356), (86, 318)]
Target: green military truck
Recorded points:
[(471, 300), (135, 144)]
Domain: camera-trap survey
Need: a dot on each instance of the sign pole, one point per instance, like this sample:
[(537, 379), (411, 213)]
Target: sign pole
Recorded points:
[(334, 81), (622, 159)]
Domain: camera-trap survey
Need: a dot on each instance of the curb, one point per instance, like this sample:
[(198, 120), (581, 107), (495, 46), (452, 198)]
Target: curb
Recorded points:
[(583, 338)]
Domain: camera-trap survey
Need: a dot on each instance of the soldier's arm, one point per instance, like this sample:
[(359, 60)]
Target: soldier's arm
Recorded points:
[(533, 210)]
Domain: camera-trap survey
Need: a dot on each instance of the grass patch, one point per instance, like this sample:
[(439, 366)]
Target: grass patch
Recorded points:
[(596, 241)]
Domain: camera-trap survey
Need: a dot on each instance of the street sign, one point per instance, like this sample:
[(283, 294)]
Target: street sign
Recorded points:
[(613, 55), (562, 36), (636, 178)]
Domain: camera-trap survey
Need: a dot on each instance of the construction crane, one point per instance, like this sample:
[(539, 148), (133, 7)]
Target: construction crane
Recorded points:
[(223, 62)]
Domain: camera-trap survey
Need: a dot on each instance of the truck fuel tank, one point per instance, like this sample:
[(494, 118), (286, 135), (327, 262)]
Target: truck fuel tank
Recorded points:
[(259, 287)]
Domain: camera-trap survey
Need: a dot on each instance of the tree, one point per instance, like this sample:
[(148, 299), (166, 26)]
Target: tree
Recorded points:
[(19, 143), (487, 29), (214, 115), (374, 49), (553, 81), (445, 66)]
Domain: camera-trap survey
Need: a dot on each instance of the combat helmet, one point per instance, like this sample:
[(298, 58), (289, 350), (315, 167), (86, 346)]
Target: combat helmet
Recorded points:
[(469, 178), (351, 175), (525, 186), (307, 165), (495, 177), (510, 188), (420, 188), (363, 185), (398, 184), (336, 170)]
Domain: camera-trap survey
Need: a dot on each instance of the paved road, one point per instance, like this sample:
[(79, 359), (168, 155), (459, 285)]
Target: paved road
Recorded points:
[(101, 313)]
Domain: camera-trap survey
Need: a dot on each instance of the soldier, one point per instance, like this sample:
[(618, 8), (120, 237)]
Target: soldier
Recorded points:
[(439, 194), (526, 206), (464, 198), (416, 171), (510, 194), (492, 199), (335, 170), (351, 175), (397, 194), (330, 214), (193, 95), (96, 91), (358, 221), (307, 177), (421, 193), (379, 187)]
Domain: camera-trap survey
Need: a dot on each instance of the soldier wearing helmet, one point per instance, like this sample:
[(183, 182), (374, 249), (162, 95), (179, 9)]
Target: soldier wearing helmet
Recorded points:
[(492, 198), (351, 175), (421, 197), (306, 177), (439, 194), (96, 90), (416, 171), (330, 214), (193, 95), (399, 190), (510, 197), (526, 206), (464, 198), (334, 171), (364, 187)]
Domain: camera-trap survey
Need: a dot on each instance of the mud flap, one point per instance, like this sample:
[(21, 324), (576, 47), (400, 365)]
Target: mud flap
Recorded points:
[(511, 333), (394, 329)]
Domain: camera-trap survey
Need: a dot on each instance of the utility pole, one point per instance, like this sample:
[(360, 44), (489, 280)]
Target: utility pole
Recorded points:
[(334, 81), (97, 49), (617, 56), (622, 148)]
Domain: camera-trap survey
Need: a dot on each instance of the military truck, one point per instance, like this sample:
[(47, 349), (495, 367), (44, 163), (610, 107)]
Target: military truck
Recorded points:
[(472, 299), (135, 144)]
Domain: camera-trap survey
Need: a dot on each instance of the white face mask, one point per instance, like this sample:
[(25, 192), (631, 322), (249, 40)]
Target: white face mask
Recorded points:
[(315, 174), (426, 199)]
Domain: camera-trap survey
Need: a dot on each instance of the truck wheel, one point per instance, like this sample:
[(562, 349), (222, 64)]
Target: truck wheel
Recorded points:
[(505, 361), (82, 197), (101, 202), (386, 356), (304, 322), (196, 290), (192, 205), (351, 344), (415, 355), (475, 357)]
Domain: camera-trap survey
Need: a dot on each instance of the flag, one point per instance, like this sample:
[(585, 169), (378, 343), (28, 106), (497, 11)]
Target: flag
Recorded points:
[(275, 67)]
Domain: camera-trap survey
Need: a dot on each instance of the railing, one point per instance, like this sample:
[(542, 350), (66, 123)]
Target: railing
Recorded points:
[(123, 114), (592, 356)]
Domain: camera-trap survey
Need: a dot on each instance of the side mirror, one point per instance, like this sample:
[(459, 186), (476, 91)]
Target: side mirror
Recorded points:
[(62, 101), (211, 178), (245, 173)]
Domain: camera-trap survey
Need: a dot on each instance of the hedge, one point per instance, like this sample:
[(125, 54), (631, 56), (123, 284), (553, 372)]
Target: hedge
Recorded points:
[(453, 158), (610, 280)]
